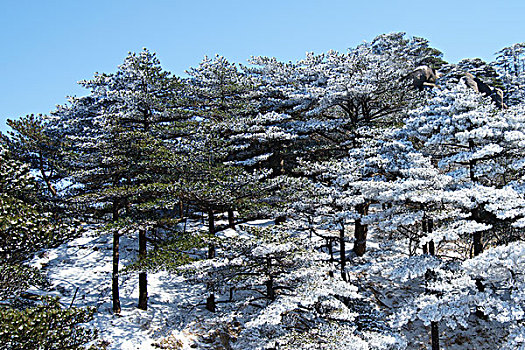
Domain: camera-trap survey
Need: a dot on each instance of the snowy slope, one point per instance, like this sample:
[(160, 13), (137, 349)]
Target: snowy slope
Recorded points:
[(85, 263)]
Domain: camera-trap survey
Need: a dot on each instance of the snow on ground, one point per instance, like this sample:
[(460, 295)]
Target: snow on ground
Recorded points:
[(80, 274), (86, 263)]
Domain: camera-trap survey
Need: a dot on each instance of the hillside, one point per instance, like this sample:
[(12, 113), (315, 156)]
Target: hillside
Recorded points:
[(373, 199)]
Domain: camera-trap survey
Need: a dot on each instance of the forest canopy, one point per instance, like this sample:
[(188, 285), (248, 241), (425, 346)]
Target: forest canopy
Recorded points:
[(390, 182)]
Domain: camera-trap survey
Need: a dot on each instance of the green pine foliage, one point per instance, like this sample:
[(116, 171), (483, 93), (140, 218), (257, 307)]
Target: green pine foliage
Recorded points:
[(32, 142), (24, 230), (16, 278), (333, 140), (24, 226), (46, 326)]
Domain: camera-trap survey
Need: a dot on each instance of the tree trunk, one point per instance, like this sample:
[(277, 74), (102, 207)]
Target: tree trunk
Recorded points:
[(478, 246), (342, 251), (434, 335), (211, 222), (270, 292), (428, 226), (210, 303), (231, 219), (430, 229), (360, 231), (115, 274), (211, 230), (478, 249), (46, 179), (480, 286), (211, 251), (181, 208), (431, 248), (143, 277)]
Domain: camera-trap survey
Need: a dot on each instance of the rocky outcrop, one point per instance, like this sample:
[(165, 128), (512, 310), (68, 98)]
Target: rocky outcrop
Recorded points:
[(423, 76), (479, 86)]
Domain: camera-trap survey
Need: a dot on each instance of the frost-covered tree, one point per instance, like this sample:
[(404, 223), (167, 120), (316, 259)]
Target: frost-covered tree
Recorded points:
[(478, 146), (118, 157), (34, 144), (220, 90), (358, 96), (455, 295), (283, 291), (510, 64)]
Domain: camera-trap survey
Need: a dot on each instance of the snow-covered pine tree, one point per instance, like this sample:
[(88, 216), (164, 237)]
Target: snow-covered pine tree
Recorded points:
[(510, 64), (118, 157), (222, 97), (478, 146), (358, 96), (34, 144)]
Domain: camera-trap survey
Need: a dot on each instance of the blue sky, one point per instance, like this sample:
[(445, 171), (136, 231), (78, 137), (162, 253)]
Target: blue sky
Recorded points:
[(47, 46)]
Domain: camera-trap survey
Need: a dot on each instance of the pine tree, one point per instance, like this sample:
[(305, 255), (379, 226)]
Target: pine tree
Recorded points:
[(477, 145), (510, 64), (25, 228), (34, 144), (119, 148)]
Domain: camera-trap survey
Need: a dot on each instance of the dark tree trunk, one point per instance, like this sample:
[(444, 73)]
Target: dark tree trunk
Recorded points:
[(428, 226), (211, 251), (181, 208), (211, 222), (360, 231), (143, 291), (115, 274), (342, 251), (115, 210), (46, 179), (478, 249), (431, 248), (270, 292), (430, 229), (231, 219), (143, 277), (232, 289), (472, 162), (434, 335), (211, 230), (210, 303), (480, 286), (478, 246)]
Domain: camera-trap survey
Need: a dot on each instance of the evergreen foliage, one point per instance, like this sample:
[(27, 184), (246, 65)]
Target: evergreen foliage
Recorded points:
[(45, 327), (340, 146)]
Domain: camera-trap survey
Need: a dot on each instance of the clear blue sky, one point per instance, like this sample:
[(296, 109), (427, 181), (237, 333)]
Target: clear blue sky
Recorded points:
[(47, 46)]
